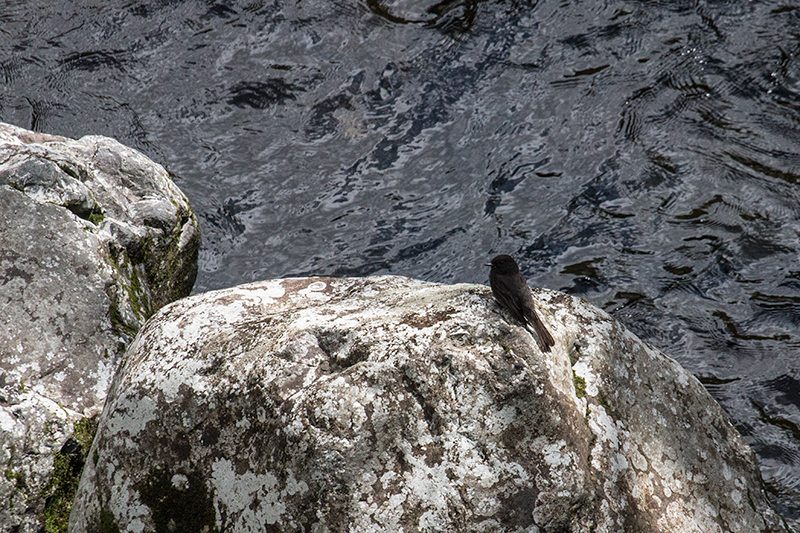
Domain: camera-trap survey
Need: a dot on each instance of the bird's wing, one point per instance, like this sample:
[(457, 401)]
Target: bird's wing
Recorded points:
[(509, 299)]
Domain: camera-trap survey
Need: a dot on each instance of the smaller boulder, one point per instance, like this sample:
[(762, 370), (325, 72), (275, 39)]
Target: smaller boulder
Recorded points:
[(95, 238)]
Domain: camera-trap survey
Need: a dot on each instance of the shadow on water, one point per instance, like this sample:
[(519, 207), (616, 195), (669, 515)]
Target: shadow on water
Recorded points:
[(642, 155)]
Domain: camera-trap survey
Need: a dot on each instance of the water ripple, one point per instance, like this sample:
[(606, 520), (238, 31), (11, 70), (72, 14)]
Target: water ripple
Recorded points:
[(644, 157)]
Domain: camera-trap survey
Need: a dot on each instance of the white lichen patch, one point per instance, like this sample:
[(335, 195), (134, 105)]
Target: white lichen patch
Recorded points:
[(314, 292), (556, 456), (269, 292), (250, 500), (583, 370), (136, 413)]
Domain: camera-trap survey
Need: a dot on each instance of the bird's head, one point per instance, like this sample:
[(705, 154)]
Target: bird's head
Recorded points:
[(504, 264)]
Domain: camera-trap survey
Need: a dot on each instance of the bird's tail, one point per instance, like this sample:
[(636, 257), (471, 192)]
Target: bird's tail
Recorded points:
[(540, 333)]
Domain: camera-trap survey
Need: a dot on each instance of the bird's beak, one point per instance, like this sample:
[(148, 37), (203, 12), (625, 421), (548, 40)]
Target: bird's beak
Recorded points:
[(487, 264)]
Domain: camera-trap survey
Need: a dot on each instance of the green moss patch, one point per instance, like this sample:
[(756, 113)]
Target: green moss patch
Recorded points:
[(17, 477), (580, 385), (63, 484), (95, 218)]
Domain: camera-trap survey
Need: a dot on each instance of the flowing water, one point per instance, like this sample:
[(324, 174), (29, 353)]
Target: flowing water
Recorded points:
[(642, 155)]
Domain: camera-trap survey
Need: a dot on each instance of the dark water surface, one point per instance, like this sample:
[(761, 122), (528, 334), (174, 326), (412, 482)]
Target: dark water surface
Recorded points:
[(642, 155)]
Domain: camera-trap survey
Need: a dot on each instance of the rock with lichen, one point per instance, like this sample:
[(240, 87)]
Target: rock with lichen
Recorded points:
[(95, 238), (389, 404)]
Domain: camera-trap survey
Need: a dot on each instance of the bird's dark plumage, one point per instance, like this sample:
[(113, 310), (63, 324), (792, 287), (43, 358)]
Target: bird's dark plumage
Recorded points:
[(511, 291)]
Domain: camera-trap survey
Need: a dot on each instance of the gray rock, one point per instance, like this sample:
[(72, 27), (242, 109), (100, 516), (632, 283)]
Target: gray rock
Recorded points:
[(388, 404), (95, 238)]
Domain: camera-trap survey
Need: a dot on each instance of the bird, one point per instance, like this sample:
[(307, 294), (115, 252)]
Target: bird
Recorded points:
[(512, 293)]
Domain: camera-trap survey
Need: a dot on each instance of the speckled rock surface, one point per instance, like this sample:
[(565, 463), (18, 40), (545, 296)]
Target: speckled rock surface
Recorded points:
[(95, 237), (388, 404)]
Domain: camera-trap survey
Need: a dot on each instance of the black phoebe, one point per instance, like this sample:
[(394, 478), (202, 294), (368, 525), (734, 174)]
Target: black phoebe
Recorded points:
[(511, 291)]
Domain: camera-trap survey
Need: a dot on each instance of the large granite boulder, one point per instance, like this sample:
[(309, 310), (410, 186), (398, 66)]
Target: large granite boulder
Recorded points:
[(94, 238), (388, 404)]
